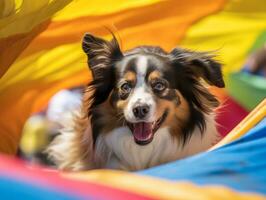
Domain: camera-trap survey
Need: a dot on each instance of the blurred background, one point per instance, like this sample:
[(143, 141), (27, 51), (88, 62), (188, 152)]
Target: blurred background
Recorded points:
[(43, 69)]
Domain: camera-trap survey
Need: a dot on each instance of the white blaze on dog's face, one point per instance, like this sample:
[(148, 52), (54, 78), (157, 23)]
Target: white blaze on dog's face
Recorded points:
[(141, 104), (140, 110)]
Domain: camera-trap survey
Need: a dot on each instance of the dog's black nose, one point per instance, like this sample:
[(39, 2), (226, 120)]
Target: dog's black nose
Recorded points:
[(140, 111)]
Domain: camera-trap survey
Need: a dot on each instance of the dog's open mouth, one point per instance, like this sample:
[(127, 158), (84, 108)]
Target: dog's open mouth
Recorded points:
[(143, 132)]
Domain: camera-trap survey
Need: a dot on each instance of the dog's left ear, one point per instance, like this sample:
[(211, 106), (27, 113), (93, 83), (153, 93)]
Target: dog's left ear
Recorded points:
[(199, 64)]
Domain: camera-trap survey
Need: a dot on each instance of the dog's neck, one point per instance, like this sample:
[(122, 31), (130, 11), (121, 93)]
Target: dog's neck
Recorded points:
[(118, 150)]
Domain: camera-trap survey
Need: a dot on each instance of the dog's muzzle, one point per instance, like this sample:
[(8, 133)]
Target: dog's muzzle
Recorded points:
[(143, 132)]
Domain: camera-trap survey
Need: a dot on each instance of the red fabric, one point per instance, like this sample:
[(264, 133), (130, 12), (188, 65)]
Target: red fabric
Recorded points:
[(18, 170), (229, 115)]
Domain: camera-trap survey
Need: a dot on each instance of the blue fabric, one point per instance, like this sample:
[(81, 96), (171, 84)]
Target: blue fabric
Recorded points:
[(246, 69), (240, 165), (15, 189)]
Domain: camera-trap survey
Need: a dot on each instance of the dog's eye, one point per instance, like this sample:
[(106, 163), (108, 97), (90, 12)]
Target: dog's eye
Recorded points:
[(159, 86), (126, 87)]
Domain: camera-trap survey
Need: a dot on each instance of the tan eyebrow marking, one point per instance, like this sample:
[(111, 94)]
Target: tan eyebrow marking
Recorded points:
[(154, 75), (130, 76)]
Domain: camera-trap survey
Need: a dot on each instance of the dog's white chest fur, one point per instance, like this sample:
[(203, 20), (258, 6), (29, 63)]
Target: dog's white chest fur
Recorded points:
[(117, 149)]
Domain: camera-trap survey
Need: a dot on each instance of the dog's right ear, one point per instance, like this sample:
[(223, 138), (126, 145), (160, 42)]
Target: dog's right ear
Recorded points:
[(101, 54)]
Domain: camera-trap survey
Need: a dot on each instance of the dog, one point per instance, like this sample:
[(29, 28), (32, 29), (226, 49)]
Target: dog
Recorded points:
[(144, 107)]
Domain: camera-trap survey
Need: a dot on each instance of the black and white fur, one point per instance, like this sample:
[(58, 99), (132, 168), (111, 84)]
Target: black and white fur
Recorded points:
[(102, 135)]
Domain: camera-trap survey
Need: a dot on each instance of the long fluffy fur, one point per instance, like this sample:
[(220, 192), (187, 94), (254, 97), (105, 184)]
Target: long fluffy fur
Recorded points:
[(73, 148), (83, 145)]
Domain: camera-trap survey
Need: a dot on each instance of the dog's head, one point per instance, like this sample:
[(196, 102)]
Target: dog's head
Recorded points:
[(147, 88)]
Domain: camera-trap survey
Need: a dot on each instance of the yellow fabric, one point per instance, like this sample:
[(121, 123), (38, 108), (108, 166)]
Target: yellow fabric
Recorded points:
[(83, 8), (159, 189), (54, 60), (20, 22), (35, 137), (231, 32), (26, 15)]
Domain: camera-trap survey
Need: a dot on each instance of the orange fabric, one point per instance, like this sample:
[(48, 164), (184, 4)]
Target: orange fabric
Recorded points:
[(31, 97), (167, 20)]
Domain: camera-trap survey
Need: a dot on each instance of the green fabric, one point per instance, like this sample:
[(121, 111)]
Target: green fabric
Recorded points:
[(249, 90)]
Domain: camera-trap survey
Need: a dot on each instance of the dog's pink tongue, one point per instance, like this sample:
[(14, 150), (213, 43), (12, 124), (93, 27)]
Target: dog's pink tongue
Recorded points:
[(142, 131)]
